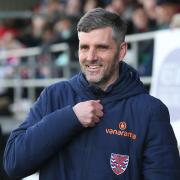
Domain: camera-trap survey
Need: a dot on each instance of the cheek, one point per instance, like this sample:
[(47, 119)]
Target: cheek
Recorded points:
[(109, 59), (81, 57)]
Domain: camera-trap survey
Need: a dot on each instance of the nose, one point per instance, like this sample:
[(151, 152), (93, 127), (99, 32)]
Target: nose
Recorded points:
[(91, 55)]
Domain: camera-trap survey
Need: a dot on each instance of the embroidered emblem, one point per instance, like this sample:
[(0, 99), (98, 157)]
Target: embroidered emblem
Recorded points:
[(119, 163)]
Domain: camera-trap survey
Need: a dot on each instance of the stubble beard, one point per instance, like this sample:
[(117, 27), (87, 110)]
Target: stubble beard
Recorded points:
[(105, 77)]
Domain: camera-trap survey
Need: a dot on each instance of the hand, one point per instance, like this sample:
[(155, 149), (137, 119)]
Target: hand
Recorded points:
[(88, 112)]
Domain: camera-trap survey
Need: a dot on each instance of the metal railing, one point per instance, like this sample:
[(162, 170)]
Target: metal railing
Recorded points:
[(31, 53)]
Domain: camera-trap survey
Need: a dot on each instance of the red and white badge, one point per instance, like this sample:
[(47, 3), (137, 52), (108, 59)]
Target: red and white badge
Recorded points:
[(119, 163)]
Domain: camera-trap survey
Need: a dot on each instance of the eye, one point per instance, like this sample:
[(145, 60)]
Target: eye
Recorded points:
[(103, 47), (83, 47)]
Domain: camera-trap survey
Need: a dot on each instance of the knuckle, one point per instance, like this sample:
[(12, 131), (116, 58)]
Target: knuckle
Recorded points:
[(91, 103), (91, 109), (91, 116)]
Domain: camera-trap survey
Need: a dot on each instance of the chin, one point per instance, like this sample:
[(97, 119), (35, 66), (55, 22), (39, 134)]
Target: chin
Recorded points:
[(93, 81), (91, 78)]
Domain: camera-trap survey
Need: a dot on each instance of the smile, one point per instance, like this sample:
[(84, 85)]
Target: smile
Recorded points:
[(93, 67)]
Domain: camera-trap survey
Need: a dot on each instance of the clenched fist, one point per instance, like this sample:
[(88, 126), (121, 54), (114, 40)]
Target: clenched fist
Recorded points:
[(89, 112)]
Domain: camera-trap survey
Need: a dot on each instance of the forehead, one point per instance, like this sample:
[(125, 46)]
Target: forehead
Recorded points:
[(103, 35)]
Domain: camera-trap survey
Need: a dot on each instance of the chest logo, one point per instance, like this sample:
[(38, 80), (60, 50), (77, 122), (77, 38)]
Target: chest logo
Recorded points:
[(122, 130), (119, 163), (122, 125)]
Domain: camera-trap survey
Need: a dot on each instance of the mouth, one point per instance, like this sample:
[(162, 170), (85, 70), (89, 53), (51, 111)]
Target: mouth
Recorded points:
[(93, 67)]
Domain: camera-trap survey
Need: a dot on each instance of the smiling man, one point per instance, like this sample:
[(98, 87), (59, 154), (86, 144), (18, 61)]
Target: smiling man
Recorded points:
[(101, 124), (99, 56)]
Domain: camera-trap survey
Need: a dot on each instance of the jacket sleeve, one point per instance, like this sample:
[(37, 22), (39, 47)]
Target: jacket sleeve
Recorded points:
[(39, 138), (161, 159)]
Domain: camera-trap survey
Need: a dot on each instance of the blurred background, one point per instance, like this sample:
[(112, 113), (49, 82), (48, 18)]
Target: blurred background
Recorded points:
[(39, 44)]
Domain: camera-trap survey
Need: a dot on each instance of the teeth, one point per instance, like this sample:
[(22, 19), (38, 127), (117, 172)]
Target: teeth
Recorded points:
[(93, 67)]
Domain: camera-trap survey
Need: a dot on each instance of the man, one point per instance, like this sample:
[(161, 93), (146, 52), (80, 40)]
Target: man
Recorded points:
[(101, 124)]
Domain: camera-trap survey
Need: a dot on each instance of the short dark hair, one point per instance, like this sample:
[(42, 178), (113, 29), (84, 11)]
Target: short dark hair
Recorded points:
[(100, 18)]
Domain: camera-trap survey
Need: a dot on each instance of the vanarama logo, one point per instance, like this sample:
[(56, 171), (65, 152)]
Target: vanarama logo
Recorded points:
[(122, 125), (121, 131)]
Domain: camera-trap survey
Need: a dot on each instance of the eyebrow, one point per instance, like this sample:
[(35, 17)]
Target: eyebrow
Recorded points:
[(83, 45), (98, 45), (103, 45)]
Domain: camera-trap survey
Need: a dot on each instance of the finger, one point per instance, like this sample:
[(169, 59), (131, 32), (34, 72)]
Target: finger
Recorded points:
[(96, 119), (99, 113), (98, 105)]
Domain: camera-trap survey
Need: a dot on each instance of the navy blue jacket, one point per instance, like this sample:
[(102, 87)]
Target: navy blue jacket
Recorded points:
[(133, 141)]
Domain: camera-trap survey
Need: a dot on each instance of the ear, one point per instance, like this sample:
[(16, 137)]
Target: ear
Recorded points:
[(122, 50)]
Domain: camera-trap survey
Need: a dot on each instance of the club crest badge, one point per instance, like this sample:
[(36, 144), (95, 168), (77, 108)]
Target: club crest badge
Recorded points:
[(119, 163)]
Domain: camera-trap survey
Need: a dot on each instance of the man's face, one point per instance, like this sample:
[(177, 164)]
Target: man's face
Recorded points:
[(99, 56)]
